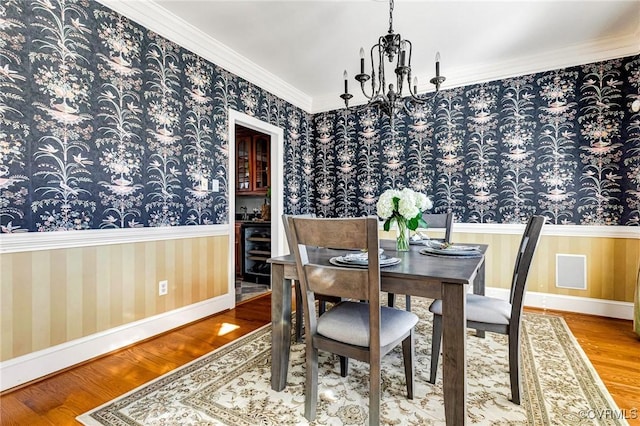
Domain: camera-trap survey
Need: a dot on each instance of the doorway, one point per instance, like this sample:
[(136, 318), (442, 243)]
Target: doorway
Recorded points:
[(252, 214), (244, 122)]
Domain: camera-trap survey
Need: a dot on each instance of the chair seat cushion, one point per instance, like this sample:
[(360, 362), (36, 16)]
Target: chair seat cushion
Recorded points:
[(348, 322), (481, 309)]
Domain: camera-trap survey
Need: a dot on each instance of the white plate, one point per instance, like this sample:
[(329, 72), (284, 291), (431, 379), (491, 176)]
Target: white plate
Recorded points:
[(451, 252), (361, 257), (387, 261), (454, 247)]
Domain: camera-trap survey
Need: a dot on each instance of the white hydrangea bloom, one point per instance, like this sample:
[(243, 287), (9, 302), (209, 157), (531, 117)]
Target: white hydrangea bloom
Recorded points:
[(410, 204), (407, 206), (423, 202), (385, 203)]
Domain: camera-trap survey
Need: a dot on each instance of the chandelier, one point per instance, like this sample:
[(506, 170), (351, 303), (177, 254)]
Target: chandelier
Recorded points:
[(393, 47)]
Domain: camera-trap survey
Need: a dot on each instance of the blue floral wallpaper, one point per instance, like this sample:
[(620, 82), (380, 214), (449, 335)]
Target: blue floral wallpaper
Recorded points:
[(105, 124), (562, 143)]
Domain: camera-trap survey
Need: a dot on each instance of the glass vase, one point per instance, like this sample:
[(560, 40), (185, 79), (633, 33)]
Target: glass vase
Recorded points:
[(402, 237)]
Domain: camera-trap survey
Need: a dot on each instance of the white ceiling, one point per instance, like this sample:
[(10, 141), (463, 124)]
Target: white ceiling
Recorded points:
[(307, 44)]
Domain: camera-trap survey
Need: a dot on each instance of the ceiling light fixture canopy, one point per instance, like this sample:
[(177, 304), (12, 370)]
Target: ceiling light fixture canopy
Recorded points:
[(393, 47)]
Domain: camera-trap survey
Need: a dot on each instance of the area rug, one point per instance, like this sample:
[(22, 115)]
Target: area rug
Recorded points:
[(231, 386)]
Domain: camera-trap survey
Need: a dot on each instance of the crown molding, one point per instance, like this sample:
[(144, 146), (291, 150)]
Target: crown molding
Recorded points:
[(156, 18), (600, 50)]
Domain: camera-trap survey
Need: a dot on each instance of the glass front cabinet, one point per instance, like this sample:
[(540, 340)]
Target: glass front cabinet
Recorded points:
[(252, 162)]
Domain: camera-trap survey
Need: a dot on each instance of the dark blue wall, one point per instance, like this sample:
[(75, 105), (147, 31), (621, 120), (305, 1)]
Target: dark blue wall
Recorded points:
[(108, 125), (561, 143)]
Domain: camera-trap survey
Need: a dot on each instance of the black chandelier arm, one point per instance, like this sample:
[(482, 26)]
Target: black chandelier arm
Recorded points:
[(381, 77), (413, 90), (364, 90)]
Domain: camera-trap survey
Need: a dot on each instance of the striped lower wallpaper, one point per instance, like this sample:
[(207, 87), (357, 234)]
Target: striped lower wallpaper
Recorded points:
[(612, 263), (50, 297)]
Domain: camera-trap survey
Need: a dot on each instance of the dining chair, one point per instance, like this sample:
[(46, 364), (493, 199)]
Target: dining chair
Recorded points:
[(321, 298), (440, 221), (437, 221), (497, 315), (354, 329)]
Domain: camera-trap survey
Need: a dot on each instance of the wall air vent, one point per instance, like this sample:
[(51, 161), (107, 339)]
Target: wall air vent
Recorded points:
[(571, 271)]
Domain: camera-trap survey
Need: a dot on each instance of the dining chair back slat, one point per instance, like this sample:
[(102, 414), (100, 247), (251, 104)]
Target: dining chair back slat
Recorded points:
[(341, 234), (440, 221)]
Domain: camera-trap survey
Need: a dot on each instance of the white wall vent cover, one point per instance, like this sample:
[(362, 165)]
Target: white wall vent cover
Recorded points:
[(571, 271)]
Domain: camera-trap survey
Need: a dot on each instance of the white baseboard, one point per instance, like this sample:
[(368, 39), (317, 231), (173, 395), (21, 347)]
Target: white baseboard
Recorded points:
[(583, 305), (24, 369)]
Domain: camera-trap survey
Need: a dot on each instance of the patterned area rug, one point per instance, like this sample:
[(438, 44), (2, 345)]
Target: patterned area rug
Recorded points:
[(231, 386)]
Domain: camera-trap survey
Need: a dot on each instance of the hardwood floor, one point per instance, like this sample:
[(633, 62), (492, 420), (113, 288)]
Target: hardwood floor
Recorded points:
[(614, 350), (609, 343)]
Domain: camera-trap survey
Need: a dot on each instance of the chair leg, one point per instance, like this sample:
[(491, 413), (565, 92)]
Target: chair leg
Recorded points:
[(344, 366), (311, 383), (374, 392), (407, 303), (299, 311), (322, 307), (514, 366), (407, 355), (436, 340), (391, 299)]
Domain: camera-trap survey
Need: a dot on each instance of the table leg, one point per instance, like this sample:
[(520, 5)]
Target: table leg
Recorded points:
[(454, 332), (478, 288), (280, 327)]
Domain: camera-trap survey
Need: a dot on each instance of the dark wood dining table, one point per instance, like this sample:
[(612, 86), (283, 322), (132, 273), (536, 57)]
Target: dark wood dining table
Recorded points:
[(436, 277)]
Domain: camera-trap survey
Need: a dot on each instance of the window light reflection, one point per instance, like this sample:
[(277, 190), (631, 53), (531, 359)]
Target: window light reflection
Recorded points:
[(227, 328)]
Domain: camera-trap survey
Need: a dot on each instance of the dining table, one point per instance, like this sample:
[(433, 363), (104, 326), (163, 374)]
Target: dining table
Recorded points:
[(443, 277)]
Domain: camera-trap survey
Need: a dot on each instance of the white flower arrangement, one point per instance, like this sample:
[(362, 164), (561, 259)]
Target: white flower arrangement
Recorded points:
[(405, 204)]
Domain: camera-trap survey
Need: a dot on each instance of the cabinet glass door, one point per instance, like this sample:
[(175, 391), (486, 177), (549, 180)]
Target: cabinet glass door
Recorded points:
[(261, 163), (243, 163)]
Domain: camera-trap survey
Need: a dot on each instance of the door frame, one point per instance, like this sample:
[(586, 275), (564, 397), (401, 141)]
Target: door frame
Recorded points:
[(276, 173)]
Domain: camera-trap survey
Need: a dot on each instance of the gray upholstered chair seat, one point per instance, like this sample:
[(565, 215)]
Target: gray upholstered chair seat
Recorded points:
[(393, 323), (482, 309)]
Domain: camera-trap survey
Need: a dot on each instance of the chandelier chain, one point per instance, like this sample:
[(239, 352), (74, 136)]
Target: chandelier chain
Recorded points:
[(390, 16)]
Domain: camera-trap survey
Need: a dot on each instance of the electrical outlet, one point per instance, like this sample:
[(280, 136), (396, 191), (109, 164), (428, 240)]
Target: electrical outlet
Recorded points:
[(163, 287), (215, 185), (204, 184)]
